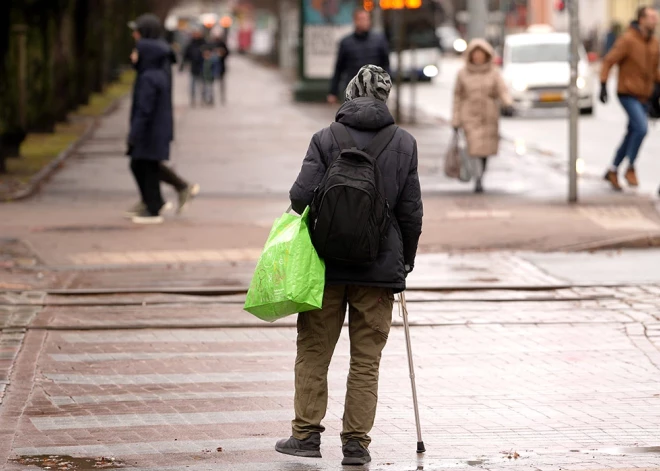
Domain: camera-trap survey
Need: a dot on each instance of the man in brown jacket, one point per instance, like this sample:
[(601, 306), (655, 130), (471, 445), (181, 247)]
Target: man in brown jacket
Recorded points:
[(637, 53)]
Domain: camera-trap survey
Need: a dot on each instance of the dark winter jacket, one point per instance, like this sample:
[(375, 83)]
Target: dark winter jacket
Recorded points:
[(355, 51), (151, 112), (194, 53), (221, 67), (364, 117)]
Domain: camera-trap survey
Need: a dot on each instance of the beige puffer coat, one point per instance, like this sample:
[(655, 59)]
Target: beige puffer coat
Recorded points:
[(479, 93)]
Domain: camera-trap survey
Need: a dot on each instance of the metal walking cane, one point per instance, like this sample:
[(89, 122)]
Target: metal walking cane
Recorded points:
[(403, 311)]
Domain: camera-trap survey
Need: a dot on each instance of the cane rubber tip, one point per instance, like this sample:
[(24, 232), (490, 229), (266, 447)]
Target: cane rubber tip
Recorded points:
[(420, 447)]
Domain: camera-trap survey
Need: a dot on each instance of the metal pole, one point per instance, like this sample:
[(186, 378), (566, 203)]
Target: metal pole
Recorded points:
[(573, 11), (411, 367), (400, 31), (478, 11)]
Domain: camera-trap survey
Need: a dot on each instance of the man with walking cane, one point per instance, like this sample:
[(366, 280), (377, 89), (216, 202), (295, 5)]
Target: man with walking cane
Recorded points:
[(360, 179)]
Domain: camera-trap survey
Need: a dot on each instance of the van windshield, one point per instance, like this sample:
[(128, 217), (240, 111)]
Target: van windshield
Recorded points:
[(549, 52)]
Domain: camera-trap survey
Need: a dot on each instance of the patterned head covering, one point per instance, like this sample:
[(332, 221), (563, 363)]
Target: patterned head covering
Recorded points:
[(371, 81)]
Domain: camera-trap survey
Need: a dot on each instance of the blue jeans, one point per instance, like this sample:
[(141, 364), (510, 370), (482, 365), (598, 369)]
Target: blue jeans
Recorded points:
[(637, 128), (195, 81)]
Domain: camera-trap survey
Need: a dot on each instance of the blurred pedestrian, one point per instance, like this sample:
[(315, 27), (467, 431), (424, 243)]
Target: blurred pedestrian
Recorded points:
[(194, 54), (611, 37), (637, 53), (208, 75), (151, 126), (367, 290), (360, 48), (148, 26), (221, 53), (479, 95)]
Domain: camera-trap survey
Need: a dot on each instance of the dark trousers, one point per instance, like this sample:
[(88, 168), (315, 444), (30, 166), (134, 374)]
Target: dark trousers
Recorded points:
[(147, 177), (167, 175)]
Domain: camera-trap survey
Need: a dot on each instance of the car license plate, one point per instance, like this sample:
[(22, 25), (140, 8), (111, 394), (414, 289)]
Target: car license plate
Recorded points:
[(551, 97)]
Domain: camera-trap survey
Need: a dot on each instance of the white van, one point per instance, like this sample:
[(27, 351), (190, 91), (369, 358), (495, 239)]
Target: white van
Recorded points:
[(536, 68)]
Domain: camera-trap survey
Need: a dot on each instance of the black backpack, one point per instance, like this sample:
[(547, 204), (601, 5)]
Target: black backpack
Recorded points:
[(350, 215)]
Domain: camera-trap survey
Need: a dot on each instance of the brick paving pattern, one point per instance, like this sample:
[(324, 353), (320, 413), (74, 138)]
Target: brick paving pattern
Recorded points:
[(540, 378)]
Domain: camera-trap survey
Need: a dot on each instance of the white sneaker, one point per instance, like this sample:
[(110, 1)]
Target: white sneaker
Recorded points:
[(186, 196), (146, 218)]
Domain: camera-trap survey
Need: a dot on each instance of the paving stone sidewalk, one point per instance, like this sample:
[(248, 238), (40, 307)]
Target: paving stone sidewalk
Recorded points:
[(563, 383)]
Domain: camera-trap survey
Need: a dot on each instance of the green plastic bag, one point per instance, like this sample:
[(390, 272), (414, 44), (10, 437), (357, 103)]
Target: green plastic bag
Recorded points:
[(290, 276)]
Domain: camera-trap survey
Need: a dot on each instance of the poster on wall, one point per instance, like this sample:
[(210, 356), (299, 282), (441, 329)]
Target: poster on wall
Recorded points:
[(325, 23)]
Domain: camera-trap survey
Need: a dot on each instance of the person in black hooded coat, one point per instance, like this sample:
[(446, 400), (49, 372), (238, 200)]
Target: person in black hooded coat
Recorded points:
[(367, 292), (149, 27), (151, 126)]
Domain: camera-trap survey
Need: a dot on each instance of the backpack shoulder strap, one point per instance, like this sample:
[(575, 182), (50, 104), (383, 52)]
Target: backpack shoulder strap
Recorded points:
[(342, 136), (381, 141)]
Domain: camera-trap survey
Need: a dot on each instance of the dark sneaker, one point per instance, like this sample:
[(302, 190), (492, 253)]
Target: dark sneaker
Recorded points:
[(186, 195), (479, 188), (631, 177), (146, 218), (355, 454), (139, 208), (613, 178), (307, 448)]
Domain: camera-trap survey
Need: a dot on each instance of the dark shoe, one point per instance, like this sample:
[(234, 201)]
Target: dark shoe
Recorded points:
[(479, 188), (613, 178), (307, 448), (631, 177), (186, 195), (355, 454)]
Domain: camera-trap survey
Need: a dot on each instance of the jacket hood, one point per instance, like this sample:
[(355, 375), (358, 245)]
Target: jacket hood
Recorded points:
[(152, 54), (479, 44), (366, 114), (149, 26)]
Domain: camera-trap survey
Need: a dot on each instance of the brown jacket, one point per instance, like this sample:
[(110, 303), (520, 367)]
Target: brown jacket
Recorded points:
[(638, 59), (478, 95)]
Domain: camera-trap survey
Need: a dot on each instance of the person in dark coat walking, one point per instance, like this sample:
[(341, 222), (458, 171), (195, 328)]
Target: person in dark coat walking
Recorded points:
[(367, 291), (151, 126), (360, 48), (194, 54), (148, 26), (222, 53)]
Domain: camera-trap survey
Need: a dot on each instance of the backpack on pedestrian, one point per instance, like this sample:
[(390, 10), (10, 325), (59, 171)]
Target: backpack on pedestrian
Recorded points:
[(350, 215)]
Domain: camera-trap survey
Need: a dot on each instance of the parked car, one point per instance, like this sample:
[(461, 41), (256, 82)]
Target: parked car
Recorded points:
[(536, 68)]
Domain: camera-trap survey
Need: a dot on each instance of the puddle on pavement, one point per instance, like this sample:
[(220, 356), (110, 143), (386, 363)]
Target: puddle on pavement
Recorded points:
[(69, 463), (623, 450)]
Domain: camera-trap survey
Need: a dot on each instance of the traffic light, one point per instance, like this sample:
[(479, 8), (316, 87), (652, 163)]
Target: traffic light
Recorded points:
[(560, 5)]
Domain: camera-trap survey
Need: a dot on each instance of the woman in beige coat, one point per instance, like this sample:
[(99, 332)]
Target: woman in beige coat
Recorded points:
[(479, 95)]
